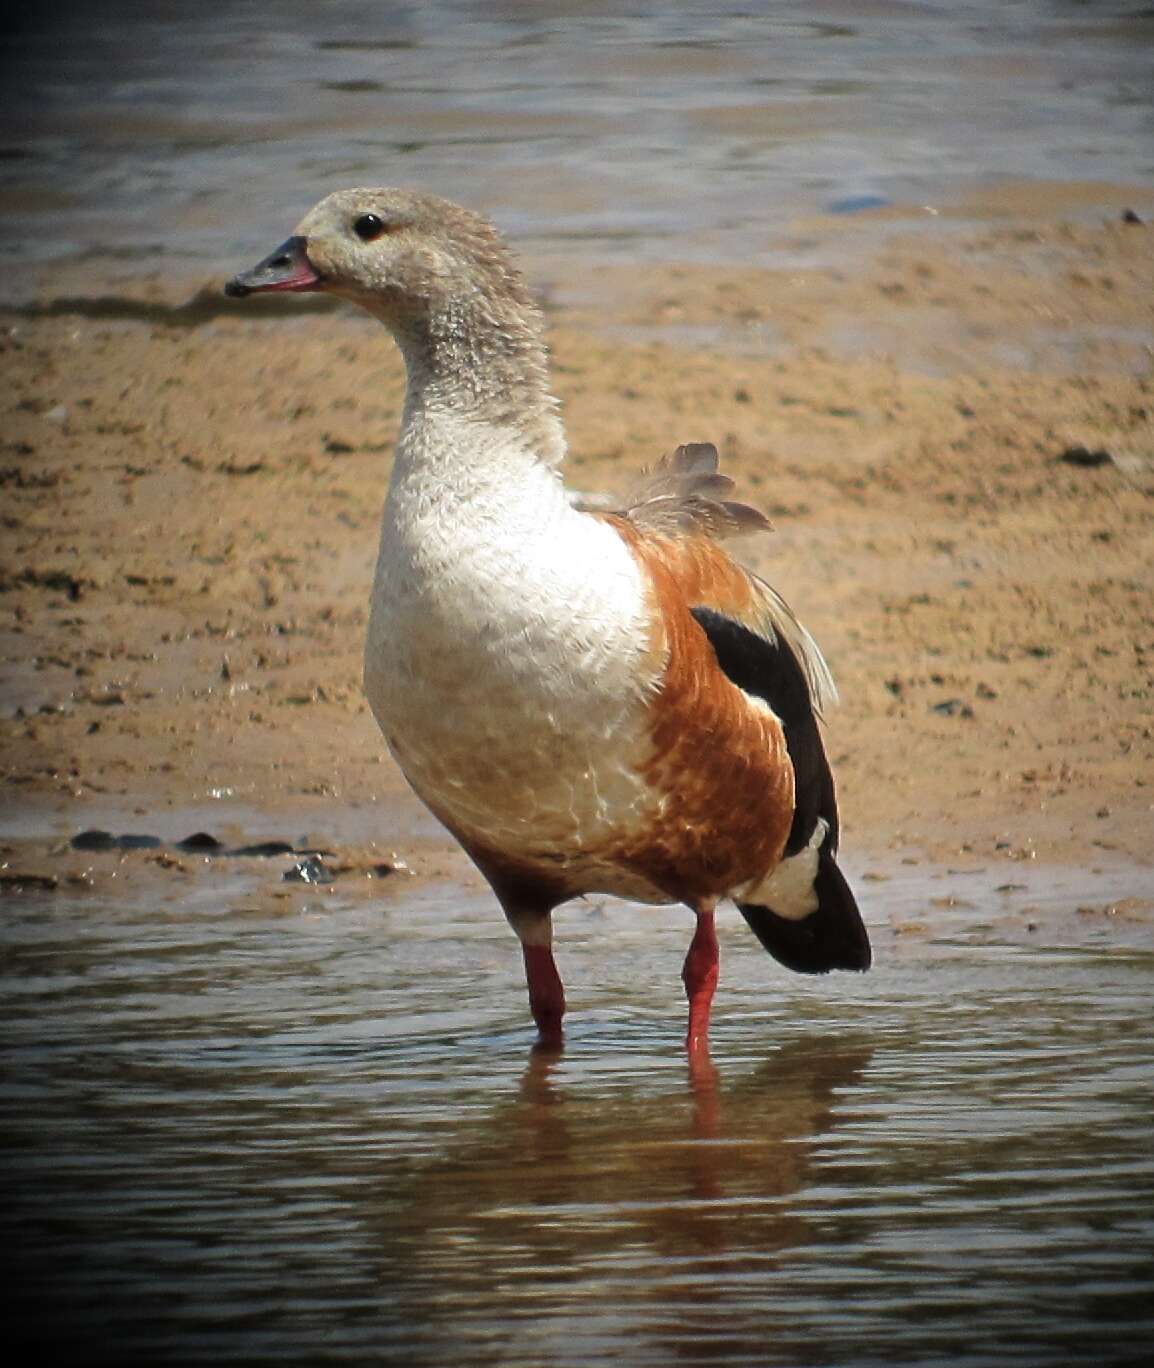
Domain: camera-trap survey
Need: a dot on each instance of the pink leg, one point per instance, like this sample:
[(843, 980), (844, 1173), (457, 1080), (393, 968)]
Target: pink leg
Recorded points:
[(699, 974), (546, 995)]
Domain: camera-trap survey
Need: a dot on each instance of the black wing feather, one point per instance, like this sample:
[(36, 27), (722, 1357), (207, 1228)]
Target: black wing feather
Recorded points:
[(833, 936), (769, 670)]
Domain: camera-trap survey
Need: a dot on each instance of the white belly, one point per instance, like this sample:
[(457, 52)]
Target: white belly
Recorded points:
[(506, 666)]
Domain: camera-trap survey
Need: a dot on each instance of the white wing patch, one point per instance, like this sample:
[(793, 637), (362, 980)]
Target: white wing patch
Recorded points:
[(789, 890)]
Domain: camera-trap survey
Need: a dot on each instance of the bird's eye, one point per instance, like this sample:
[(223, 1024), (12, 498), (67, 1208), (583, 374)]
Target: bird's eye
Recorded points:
[(368, 227)]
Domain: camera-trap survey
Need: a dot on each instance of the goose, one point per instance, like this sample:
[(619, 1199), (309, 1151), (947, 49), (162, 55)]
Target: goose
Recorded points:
[(591, 699)]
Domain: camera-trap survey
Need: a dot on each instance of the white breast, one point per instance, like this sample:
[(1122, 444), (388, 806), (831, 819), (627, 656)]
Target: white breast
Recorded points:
[(505, 660)]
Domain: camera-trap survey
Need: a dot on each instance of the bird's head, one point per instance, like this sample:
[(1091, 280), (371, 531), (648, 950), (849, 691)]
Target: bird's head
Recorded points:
[(403, 255)]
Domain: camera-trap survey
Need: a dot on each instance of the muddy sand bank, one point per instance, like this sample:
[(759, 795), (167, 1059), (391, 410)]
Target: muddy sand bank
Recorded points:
[(954, 439)]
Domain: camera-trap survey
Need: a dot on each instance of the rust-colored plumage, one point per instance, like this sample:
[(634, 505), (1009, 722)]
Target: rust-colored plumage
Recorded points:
[(719, 759)]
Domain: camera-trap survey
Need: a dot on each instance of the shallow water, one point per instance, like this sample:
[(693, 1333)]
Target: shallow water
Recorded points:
[(319, 1134), (168, 134)]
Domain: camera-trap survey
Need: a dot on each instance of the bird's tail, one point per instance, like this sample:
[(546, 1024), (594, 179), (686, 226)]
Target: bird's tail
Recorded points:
[(831, 936)]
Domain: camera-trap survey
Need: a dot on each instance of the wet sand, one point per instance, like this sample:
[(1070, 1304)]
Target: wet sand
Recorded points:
[(954, 437)]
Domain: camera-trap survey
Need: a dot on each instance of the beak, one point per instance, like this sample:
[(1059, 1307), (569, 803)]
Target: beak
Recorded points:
[(288, 268)]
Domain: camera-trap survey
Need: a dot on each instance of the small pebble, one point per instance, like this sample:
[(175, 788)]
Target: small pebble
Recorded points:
[(310, 871), (1085, 457), (952, 707), (264, 849), (200, 841), (93, 840)]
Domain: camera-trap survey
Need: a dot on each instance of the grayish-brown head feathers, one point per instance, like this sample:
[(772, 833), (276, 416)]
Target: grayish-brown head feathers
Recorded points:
[(442, 280)]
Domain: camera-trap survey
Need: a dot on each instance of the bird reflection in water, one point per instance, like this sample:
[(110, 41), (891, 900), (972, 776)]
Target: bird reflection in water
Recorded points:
[(645, 1209)]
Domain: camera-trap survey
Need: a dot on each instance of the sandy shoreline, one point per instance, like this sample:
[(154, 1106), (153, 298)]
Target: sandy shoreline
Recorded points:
[(955, 442)]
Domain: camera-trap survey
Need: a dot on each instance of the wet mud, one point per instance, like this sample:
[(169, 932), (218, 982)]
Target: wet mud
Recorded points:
[(183, 591)]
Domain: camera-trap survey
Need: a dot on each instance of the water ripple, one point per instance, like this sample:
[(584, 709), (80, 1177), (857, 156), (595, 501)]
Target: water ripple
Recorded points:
[(321, 1137)]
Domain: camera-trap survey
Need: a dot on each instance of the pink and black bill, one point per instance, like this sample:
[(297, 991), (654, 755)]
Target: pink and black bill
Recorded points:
[(288, 268)]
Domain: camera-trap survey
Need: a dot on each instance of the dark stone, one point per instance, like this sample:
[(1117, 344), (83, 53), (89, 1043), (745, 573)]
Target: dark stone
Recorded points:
[(94, 840), (952, 707), (200, 841), (264, 849), (1085, 457)]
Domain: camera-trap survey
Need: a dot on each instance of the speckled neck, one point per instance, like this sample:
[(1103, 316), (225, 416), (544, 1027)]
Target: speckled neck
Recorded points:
[(482, 359)]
